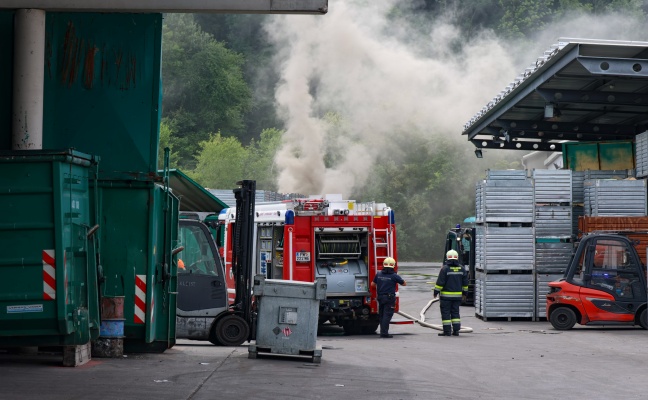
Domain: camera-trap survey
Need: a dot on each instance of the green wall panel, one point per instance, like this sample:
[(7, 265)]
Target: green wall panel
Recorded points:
[(102, 88)]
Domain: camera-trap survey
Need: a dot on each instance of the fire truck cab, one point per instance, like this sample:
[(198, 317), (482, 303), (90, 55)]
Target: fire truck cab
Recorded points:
[(340, 240), (605, 284)]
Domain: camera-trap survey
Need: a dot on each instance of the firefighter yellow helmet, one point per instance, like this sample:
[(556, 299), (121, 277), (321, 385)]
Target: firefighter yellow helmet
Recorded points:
[(389, 262), (452, 255)]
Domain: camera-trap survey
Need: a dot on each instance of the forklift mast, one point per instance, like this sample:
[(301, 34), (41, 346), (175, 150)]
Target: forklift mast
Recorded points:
[(243, 240)]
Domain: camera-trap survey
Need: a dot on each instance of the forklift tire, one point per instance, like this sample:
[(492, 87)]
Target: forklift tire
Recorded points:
[(231, 330), (563, 318), (642, 319)]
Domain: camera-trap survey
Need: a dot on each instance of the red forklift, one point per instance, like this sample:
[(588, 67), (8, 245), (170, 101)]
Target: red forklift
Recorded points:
[(604, 284)]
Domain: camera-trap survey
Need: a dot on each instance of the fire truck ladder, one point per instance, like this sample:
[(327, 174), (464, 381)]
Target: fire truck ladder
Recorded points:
[(382, 238)]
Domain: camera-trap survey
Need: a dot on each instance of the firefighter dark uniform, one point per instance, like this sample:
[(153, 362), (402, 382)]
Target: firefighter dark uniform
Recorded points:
[(451, 284), (385, 283)]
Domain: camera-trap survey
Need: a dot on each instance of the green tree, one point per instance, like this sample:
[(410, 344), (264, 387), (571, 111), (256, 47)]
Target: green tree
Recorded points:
[(166, 140), (220, 162), (203, 86), (524, 17), (244, 34), (260, 165)]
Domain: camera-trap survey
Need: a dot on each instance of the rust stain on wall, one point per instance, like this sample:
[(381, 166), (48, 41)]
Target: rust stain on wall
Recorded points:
[(70, 56), (82, 58), (88, 67)]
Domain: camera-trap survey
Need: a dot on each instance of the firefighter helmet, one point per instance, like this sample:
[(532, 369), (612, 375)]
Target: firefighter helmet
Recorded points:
[(452, 255), (389, 262)]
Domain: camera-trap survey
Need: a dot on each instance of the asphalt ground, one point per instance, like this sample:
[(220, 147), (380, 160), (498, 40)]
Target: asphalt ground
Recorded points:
[(498, 360)]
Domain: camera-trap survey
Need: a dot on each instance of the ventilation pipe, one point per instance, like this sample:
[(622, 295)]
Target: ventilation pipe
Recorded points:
[(28, 79)]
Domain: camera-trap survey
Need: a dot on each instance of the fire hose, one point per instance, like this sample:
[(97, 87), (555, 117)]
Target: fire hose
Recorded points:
[(421, 320)]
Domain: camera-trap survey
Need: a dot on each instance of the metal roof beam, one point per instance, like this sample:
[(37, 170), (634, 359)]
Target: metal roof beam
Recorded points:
[(591, 97), (570, 127), (503, 145), (175, 6), (615, 66)]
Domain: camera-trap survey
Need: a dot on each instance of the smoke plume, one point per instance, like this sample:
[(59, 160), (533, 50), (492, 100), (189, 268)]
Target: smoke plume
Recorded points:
[(351, 81)]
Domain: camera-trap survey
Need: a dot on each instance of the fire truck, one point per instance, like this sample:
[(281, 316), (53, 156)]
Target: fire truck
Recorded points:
[(304, 239)]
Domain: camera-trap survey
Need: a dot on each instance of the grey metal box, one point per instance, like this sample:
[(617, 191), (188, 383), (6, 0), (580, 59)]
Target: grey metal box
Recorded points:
[(288, 314)]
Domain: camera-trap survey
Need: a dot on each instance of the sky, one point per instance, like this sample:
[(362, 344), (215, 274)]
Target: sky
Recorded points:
[(351, 81)]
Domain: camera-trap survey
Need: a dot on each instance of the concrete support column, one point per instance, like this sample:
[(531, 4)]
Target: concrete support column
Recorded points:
[(28, 79)]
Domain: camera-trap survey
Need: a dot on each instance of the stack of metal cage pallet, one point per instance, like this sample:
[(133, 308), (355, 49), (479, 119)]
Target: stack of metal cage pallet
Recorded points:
[(553, 230), (578, 189), (504, 253), (615, 197)]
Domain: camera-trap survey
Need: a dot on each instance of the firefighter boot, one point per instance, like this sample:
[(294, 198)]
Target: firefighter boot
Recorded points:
[(446, 331), (455, 329)]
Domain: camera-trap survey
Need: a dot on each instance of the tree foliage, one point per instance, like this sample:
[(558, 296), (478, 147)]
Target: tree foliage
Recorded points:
[(203, 86), (220, 163)]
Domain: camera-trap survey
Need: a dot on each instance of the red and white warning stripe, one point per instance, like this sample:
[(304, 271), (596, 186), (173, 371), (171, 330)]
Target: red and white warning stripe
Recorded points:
[(140, 298), (49, 275)]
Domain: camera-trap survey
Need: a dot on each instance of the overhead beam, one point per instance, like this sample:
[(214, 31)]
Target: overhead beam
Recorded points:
[(570, 127), (590, 97), (504, 145), (615, 66), (175, 6)]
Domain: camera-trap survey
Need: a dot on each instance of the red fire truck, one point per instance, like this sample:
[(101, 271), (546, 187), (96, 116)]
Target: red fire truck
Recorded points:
[(341, 240)]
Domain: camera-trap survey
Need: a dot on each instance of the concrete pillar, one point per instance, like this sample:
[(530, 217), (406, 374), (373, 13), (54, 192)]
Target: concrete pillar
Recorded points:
[(28, 79)]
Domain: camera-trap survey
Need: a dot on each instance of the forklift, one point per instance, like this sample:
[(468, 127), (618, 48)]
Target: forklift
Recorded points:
[(462, 240), (203, 310), (604, 284)]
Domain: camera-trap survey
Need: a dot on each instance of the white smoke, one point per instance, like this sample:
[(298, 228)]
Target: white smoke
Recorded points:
[(350, 63)]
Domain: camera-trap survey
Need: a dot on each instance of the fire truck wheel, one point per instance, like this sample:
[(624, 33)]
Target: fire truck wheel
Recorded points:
[(231, 330), (563, 318), (370, 329), (350, 328), (642, 319)]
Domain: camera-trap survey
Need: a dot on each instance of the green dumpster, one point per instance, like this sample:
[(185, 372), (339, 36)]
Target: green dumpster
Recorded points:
[(48, 273), (139, 227)]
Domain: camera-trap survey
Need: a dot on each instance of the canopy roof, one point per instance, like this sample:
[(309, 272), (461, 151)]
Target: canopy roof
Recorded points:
[(193, 197), (578, 90)]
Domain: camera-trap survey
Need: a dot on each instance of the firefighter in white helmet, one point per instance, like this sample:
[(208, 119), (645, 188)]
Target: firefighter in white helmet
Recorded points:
[(385, 283), (451, 284)]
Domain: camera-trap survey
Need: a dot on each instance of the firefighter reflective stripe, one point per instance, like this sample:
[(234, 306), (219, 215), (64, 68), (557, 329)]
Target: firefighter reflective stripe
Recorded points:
[(446, 322), (453, 295), (464, 288), (140, 299), (456, 320), (49, 275)]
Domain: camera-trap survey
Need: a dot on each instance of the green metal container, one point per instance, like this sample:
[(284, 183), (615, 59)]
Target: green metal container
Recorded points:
[(139, 226), (103, 88), (48, 273)]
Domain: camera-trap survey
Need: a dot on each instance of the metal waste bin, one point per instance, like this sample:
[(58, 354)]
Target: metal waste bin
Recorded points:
[(288, 314)]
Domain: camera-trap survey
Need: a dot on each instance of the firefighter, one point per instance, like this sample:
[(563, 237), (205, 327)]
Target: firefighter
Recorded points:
[(452, 284), (385, 283)]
